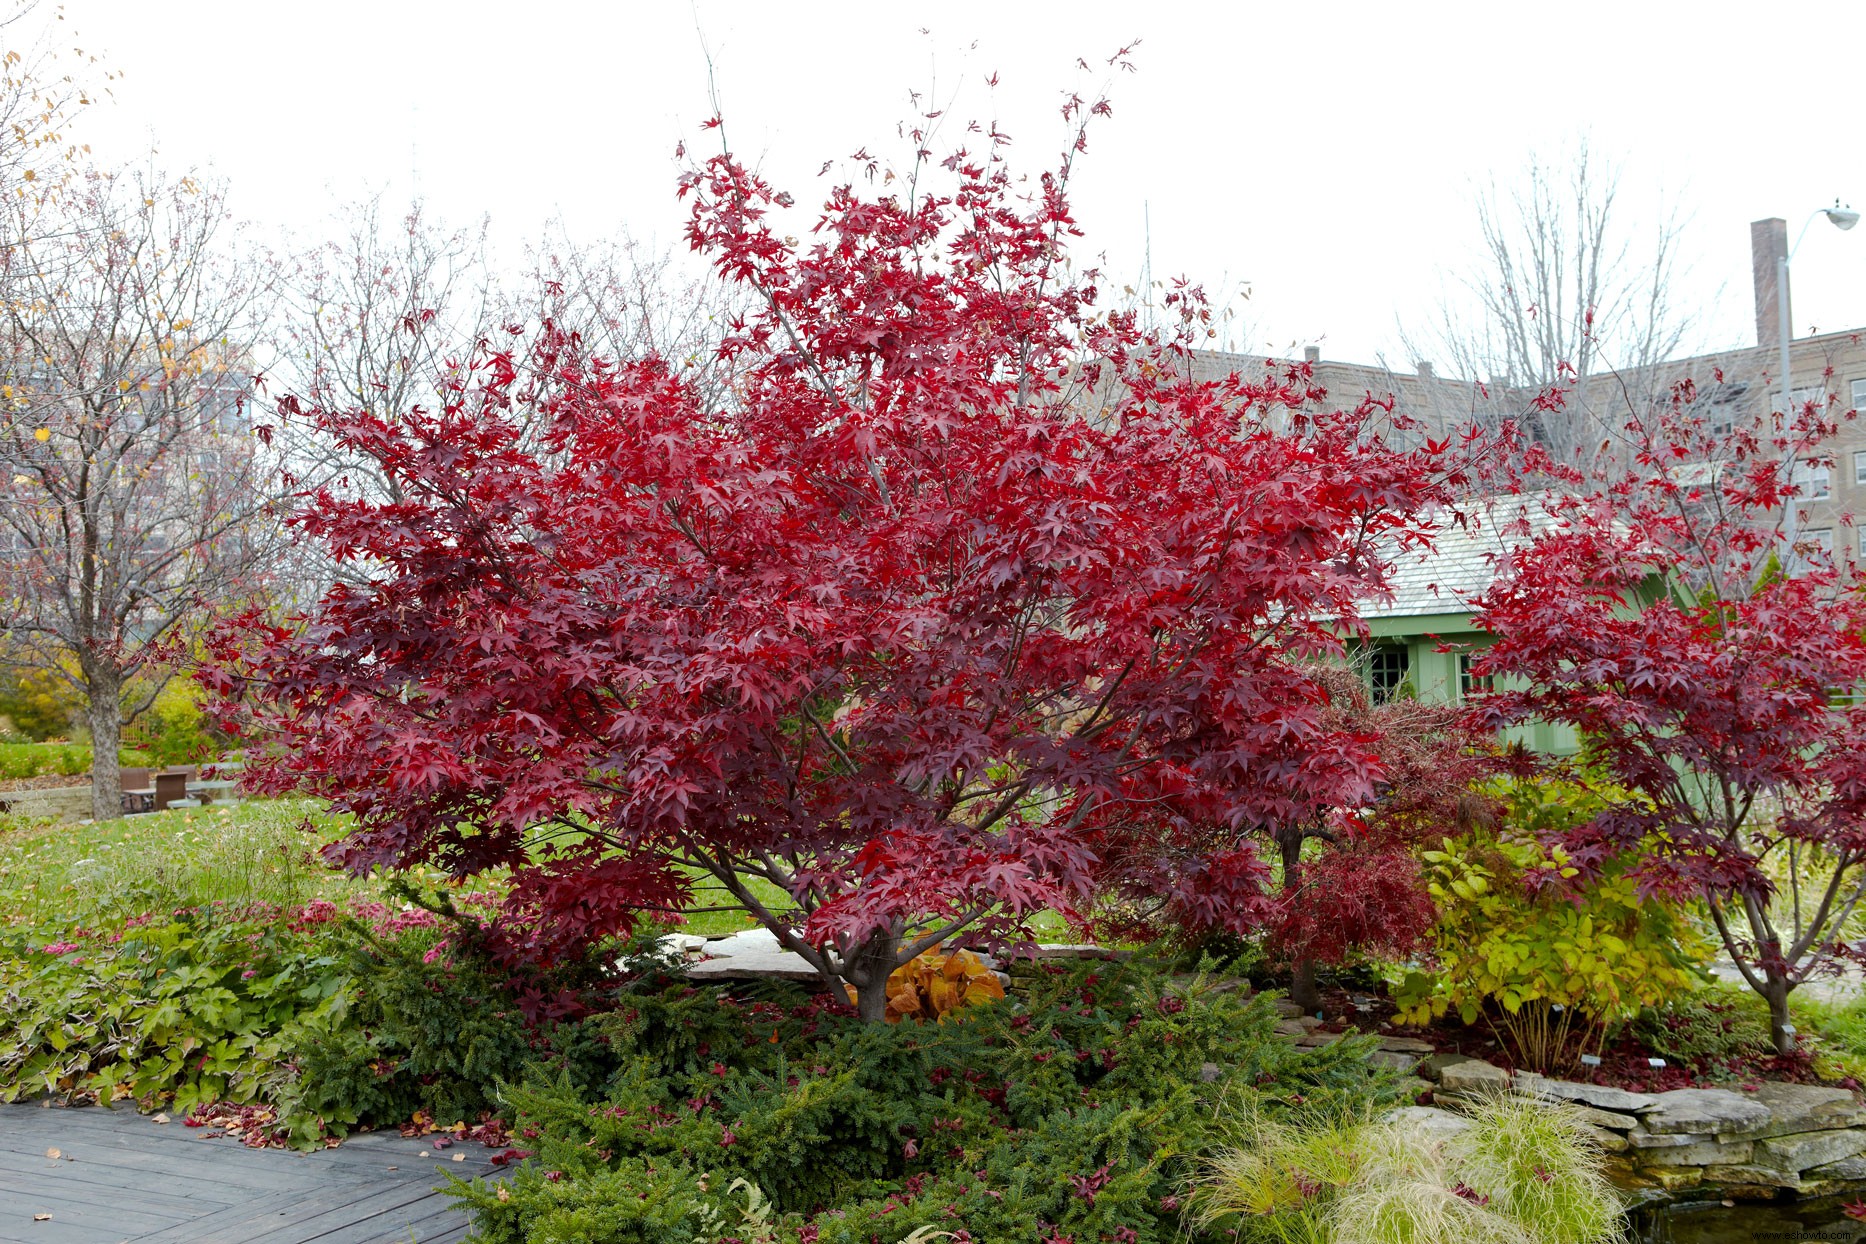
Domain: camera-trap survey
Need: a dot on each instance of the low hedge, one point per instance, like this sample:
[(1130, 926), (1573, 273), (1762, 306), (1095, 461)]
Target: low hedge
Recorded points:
[(26, 760)]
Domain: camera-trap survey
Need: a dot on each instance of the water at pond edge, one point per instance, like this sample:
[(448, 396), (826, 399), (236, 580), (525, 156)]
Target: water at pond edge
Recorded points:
[(1715, 1223)]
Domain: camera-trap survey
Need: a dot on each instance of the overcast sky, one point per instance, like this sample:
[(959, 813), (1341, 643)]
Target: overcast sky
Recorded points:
[(1327, 154)]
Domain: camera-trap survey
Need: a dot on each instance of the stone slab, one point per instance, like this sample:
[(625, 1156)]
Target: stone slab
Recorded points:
[(1705, 1112), (1674, 1178), (1396, 1061), (1474, 1077), (1596, 1095), (1434, 1065), (1806, 1150), (1700, 1152), (1609, 1142), (1438, 1124), (1807, 1108), (1846, 1169), (1407, 1045)]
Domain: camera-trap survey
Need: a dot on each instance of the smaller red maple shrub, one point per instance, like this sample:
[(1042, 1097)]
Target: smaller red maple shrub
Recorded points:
[(967, 601), (1650, 616)]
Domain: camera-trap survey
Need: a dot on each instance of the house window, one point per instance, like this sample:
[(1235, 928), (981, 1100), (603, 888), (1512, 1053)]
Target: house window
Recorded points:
[(1814, 483), (1470, 684), (1859, 394), (1387, 668), (1859, 466), (1821, 538)]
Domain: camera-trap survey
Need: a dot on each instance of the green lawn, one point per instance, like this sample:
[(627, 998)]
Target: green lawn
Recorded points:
[(256, 851)]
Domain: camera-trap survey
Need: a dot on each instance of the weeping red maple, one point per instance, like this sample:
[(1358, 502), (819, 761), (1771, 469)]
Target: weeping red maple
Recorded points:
[(965, 603)]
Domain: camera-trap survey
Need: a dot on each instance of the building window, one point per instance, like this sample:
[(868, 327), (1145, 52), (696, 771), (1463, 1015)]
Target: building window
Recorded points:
[(1821, 538), (1470, 684), (1859, 394), (1814, 483), (1859, 466), (1798, 399), (1387, 668)]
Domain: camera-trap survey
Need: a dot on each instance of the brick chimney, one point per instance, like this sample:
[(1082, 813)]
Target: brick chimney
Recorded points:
[(1423, 370), (1311, 354), (1768, 244)]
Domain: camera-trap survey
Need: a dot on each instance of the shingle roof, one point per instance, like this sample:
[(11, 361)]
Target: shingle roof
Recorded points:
[(1463, 560)]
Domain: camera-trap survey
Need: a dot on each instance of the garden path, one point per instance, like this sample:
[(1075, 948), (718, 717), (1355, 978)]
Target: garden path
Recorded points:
[(121, 1178)]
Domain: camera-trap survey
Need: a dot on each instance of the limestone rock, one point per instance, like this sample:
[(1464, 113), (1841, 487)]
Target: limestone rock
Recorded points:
[(751, 955), (1701, 1151), (1703, 1112), (1388, 1058), (1286, 1008), (1640, 1138), (1846, 1170), (1473, 1078), (1674, 1178), (1406, 1045), (1606, 1120), (1596, 1095), (1072, 950), (1609, 1142), (1807, 1108), (1437, 1124), (1289, 1028), (1435, 1064), (1806, 1150), (1313, 1038)]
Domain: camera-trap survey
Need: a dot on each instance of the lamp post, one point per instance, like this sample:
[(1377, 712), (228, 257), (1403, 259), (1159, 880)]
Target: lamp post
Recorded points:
[(1843, 219)]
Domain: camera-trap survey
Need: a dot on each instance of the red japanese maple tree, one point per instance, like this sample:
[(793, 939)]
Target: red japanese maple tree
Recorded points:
[(1721, 694), (970, 603)]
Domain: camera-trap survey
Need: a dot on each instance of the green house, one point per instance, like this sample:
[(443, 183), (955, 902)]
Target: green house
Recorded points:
[(1420, 642)]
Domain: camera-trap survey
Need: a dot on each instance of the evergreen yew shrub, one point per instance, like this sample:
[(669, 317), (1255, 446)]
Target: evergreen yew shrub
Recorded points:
[(1074, 1112)]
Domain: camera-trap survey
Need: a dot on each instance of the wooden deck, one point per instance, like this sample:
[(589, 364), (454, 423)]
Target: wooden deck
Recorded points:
[(125, 1179)]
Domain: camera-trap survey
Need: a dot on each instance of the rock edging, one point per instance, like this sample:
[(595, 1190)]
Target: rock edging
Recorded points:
[(1778, 1140)]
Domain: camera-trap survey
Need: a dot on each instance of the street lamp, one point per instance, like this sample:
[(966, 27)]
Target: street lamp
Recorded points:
[(1842, 218)]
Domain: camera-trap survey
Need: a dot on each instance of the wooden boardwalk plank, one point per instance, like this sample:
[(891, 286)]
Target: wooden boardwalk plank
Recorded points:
[(149, 1192), (132, 1181), (113, 1218)]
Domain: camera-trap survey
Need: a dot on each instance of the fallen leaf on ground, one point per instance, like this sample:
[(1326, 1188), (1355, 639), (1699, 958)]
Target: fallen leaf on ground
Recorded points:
[(42, 1218), (161, 1118), (459, 1157), (54, 1154)]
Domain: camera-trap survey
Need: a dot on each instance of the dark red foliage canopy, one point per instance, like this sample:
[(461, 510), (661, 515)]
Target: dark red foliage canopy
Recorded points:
[(1721, 695), (964, 603)]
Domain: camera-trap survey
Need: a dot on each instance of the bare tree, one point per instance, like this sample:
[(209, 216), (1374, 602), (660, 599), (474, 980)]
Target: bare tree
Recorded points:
[(128, 482), (1565, 294), (378, 318), (45, 81)]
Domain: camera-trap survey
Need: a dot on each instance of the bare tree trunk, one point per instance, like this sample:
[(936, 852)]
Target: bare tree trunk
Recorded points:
[(1302, 990), (106, 714)]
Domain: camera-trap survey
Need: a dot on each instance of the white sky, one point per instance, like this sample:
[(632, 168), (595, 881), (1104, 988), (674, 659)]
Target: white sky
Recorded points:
[(1326, 153)]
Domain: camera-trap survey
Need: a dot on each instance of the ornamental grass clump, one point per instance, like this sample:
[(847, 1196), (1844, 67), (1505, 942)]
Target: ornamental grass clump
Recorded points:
[(1520, 1173)]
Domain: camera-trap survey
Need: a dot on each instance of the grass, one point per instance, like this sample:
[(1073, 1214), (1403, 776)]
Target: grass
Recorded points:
[(257, 851), (1521, 1173)]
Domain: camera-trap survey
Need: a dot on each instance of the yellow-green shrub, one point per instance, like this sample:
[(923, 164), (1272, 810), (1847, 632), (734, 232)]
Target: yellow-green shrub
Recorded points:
[(1549, 961)]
